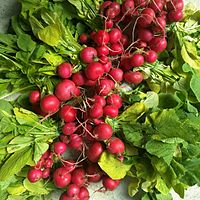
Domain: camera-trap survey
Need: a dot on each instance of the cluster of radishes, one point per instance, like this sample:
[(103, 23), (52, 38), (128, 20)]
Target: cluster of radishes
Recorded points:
[(134, 33)]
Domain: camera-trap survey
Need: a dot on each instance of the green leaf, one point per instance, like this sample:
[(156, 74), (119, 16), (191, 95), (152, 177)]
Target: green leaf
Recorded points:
[(24, 116), (167, 100), (161, 149), (151, 100), (39, 149), (164, 197), (53, 59), (35, 188), (180, 189), (113, 166), (15, 163), (161, 186), (133, 186), (16, 188), (25, 43), (194, 84)]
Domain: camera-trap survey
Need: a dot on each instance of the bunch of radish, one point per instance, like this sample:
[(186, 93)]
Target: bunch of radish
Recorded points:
[(133, 34)]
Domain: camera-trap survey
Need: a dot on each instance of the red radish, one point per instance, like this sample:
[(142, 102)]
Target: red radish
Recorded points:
[(48, 163), (46, 173), (150, 56), (79, 177), (73, 190), (116, 49), (50, 104), (175, 16), (39, 164), (140, 44), (110, 13), (102, 132), (64, 70), (107, 66), (79, 78), (83, 38), (146, 18), (108, 24), (103, 60), (101, 38), (159, 25), (94, 172), (110, 111), (128, 7), (37, 109), (61, 177), (75, 142), (105, 4), (115, 99), (102, 51), (96, 111), (90, 82), (65, 90), (158, 44), (115, 146), (144, 34), (124, 40), (77, 92), (83, 194), (156, 5), (92, 35), (88, 55), (46, 154), (94, 71), (137, 60), (69, 128), (100, 100), (104, 87), (140, 3), (117, 74), (116, 7), (68, 113), (59, 148), (64, 196), (94, 152), (115, 35), (64, 138), (133, 77), (34, 97), (175, 5), (125, 63), (34, 175), (109, 183)]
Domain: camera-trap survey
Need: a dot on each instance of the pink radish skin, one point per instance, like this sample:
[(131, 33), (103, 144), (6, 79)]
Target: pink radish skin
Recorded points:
[(34, 175), (101, 38), (115, 99), (96, 111), (73, 190), (94, 71), (158, 44), (59, 148), (115, 35), (110, 111), (34, 97), (133, 77), (109, 183), (69, 128), (150, 56), (94, 152), (137, 60), (102, 132), (115, 146), (68, 113), (88, 54), (64, 70), (79, 177), (100, 100), (102, 51), (79, 78), (83, 194), (94, 172), (117, 74)]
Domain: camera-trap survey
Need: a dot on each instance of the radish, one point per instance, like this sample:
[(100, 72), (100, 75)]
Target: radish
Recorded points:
[(68, 113), (88, 55), (75, 142), (175, 16), (136, 60), (102, 51), (116, 7), (156, 5), (146, 18), (175, 5), (103, 60), (133, 77), (39, 164), (79, 177), (99, 100), (150, 56), (101, 38), (69, 128), (116, 74), (110, 111), (59, 148), (107, 66), (144, 34), (64, 70), (37, 109), (116, 49), (115, 146), (108, 24), (110, 13), (158, 44), (140, 3), (124, 40), (50, 104), (83, 38), (34, 97), (115, 99), (94, 172), (159, 25), (83, 194), (90, 82), (140, 44), (102, 132), (94, 71), (46, 173), (48, 163), (104, 87), (128, 7), (94, 152), (65, 90), (69, 165), (96, 111), (109, 183), (115, 35), (64, 196), (64, 138), (73, 190), (61, 177), (34, 175), (79, 78)]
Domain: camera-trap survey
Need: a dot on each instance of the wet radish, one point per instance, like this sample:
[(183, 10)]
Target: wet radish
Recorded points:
[(64, 70)]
